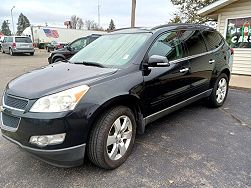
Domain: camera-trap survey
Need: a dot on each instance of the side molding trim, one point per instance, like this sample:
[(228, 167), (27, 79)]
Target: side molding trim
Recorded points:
[(177, 106)]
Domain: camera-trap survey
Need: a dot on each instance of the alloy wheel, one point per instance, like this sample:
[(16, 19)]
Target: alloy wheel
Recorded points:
[(221, 90), (119, 137)]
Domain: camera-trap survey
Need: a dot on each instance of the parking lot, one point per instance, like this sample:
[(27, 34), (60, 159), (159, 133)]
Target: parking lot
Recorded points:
[(194, 147)]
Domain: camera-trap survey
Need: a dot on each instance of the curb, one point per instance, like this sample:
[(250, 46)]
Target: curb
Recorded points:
[(240, 88)]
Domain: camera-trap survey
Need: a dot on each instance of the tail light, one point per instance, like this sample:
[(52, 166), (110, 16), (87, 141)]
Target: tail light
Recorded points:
[(14, 45), (34, 45), (232, 51)]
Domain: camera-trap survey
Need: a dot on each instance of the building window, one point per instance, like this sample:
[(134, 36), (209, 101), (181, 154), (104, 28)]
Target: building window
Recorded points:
[(239, 32)]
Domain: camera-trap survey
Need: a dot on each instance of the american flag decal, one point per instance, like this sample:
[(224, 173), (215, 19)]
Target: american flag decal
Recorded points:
[(51, 33)]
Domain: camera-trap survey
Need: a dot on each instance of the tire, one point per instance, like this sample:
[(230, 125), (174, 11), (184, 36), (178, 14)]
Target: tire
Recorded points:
[(3, 51), (32, 53), (100, 149), (11, 52), (58, 59), (220, 91)]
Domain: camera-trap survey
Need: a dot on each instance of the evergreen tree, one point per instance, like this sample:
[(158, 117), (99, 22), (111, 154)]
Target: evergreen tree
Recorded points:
[(22, 24), (5, 28), (189, 9), (111, 26)]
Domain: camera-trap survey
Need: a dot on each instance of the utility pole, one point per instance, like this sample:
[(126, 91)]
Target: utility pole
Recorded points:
[(12, 20), (133, 13), (98, 14)]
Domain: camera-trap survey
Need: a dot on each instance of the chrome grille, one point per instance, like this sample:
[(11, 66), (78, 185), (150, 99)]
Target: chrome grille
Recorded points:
[(15, 102), (10, 121)]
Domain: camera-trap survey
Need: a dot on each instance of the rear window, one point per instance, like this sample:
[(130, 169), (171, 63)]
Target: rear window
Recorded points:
[(23, 40), (213, 39)]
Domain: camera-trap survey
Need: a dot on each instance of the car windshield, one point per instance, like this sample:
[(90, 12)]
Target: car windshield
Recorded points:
[(111, 50), (23, 40)]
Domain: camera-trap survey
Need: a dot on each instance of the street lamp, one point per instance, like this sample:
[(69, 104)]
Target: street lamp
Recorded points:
[(133, 13), (12, 19)]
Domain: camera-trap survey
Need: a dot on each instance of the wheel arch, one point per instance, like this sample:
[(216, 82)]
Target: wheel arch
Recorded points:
[(227, 72), (130, 101), (57, 56)]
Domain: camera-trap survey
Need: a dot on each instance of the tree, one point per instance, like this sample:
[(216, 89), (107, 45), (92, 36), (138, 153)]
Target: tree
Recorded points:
[(74, 21), (111, 26), (176, 19), (5, 28), (22, 24), (88, 24), (189, 9), (80, 23)]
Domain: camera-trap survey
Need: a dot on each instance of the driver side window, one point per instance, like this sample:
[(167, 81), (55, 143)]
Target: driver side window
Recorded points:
[(79, 44), (167, 45)]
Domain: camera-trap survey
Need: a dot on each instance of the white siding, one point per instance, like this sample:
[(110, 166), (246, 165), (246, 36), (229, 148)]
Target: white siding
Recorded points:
[(242, 56)]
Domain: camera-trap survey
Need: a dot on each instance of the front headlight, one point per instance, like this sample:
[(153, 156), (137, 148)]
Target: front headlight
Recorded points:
[(59, 102)]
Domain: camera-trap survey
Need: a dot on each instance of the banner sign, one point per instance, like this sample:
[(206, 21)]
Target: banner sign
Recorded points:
[(239, 33)]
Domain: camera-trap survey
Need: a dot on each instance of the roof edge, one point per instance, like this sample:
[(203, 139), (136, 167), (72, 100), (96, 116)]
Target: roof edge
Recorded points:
[(214, 6)]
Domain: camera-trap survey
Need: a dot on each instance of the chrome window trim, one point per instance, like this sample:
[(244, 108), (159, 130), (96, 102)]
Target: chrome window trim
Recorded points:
[(197, 55), (12, 108), (7, 128)]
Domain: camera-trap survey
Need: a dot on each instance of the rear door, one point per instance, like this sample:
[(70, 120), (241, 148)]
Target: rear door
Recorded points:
[(23, 43), (201, 61), (217, 50)]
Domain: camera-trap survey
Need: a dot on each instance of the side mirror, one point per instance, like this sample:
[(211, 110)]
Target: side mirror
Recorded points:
[(69, 48), (158, 61)]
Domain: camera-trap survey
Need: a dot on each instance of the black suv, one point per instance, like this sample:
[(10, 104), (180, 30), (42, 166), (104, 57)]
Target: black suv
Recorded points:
[(97, 101), (71, 49)]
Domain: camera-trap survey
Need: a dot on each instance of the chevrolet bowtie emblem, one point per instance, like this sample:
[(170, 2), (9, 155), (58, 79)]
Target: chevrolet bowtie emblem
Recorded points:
[(1, 108)]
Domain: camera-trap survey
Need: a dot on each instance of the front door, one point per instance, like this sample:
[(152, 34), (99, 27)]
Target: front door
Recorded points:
[(166, 86)]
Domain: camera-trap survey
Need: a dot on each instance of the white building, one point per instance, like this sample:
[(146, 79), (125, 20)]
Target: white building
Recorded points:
[(234, 23)]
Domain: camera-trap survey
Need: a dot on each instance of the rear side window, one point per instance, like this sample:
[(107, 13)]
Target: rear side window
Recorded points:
[(9, 39), (23, 40), (213, 39), (194, 42), (167, 45)]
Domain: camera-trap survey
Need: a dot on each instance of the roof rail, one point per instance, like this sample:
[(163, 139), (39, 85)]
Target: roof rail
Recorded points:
[(179, 24)]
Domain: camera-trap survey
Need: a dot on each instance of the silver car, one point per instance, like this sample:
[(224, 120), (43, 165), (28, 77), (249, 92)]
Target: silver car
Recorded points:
[(17, 44)]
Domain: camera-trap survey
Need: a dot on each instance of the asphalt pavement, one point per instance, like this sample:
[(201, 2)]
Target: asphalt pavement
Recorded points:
[(196, 146)]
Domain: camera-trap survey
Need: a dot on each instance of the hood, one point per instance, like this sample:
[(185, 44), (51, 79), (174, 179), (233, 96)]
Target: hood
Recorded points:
[(61, 50), (55, 78)]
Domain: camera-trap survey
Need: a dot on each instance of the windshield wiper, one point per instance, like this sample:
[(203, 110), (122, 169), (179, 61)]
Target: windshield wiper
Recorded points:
[(91, 64)]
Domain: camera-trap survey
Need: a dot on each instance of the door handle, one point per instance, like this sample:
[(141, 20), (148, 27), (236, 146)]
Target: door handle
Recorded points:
[(184, 70), (211, 61)]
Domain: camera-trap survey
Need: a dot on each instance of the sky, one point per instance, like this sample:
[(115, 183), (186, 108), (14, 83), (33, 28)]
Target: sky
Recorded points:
[(54, 12)]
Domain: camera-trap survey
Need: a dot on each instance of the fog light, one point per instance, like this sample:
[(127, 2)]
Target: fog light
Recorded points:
[(45, 140)]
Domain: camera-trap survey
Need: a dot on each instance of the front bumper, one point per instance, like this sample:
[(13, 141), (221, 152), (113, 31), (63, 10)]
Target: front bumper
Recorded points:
[(65, 157), (67, 154)]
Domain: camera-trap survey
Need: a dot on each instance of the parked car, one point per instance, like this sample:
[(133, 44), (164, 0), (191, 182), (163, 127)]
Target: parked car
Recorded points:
[(111, 89), (17, 44), (71, 49), (54, 45), (1, 40)]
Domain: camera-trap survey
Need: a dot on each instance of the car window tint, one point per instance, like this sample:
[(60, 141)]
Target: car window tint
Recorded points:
[(9, 39), (167, 45), (213, 39), (23, 40), (194, 42), (79, 44)]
